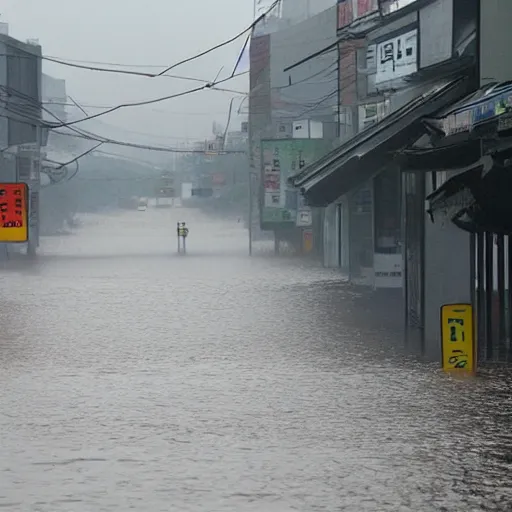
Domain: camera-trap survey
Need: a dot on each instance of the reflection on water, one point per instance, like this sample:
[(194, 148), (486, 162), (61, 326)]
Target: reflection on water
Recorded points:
[(135, 378)]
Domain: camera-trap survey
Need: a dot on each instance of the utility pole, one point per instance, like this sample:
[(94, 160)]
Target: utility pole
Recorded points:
[(33, 196), (250, 211)]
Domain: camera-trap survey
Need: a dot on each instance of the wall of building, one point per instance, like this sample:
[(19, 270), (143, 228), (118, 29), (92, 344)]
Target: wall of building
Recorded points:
[(495, 41), (308, 91), (447, 273), (295, 11), (20, 73), (54, 96)]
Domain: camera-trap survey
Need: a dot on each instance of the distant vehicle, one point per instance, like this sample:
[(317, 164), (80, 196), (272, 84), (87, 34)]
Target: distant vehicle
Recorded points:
[(143, 204)]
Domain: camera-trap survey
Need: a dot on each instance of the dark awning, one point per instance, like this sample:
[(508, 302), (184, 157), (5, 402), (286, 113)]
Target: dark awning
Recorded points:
[(450, 156), (363, 156), (479, 199)]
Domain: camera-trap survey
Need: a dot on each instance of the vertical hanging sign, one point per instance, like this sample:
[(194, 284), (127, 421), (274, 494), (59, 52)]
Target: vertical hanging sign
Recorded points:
[(13, 212), (457, 341)]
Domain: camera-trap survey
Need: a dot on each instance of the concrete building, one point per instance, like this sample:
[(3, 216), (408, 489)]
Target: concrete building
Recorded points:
[(296, 104), (401, 64), (54, 99), (296, 11), (21, 136)]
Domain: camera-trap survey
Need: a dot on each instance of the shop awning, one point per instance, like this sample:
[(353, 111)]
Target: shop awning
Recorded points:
[(363, 156), (450, 156), (478, 199)]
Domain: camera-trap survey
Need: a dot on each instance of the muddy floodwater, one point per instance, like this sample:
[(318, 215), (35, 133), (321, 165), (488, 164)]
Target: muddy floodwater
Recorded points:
[(135, 379)]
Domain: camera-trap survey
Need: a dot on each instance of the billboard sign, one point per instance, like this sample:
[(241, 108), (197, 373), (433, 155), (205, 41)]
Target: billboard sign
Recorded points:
[(13, 212), (280, 159), (457, 341), (397, 57)]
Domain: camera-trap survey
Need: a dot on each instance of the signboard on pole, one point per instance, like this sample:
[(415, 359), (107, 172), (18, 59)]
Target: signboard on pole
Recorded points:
[(304, 217), (280, 159), (388, 270), (13, 212), (457, 341)]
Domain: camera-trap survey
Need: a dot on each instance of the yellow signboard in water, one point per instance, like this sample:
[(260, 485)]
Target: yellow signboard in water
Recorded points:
[(457, 340)]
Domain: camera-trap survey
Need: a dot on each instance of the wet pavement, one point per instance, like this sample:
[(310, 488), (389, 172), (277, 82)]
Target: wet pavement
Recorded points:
[(135, 379)]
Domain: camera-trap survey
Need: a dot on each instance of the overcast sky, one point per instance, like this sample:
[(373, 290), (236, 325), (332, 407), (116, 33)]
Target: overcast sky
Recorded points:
[(152, 32)]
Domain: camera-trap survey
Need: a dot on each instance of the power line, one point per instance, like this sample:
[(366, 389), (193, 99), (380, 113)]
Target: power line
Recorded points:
[(120, 71), (83, 134), (168, 68), (158, 111), (137, 104), (228, 41)]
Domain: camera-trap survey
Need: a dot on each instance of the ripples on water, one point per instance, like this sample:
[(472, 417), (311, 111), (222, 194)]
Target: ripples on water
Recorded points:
[(136, 379)]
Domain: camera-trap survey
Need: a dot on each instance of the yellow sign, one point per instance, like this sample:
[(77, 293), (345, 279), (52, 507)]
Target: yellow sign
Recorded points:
[(13, 212), (457, 340), (307, 241)]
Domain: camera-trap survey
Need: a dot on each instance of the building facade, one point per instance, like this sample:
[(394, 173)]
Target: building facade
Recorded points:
[(21, 134), (400, 63), (295, 101)]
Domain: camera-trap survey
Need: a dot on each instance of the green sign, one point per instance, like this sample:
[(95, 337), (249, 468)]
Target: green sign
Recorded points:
[(280, 159)]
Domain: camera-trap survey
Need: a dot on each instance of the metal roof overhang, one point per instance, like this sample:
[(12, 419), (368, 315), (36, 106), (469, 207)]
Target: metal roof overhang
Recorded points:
[(477, 198), (366, 154)]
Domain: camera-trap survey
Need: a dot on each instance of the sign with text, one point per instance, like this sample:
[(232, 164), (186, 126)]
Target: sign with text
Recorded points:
[(497, 105), (397, 57), (304, 217), (457, 340), (13, 212), (280, 159)]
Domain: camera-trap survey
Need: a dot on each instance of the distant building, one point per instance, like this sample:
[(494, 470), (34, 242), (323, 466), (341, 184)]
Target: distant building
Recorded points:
[(54, 99), (20, 121), (20, 91)]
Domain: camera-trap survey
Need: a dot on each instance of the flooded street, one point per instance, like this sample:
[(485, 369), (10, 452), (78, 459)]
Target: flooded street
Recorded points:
[(136, 379)]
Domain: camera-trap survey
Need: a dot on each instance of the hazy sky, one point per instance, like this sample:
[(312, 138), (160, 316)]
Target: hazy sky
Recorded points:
[(152, 32)]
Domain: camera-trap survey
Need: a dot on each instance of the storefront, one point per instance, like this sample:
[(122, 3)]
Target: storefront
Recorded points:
[(468, 167)]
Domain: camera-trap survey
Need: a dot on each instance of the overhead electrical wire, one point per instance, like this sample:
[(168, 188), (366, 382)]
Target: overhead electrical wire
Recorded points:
[(86, 135), (158, 111), (228, 41), (206, 86), (172, 66)]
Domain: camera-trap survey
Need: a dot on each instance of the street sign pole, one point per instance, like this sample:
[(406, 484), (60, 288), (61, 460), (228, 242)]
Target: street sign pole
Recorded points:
[(250, 213), (182, 232)]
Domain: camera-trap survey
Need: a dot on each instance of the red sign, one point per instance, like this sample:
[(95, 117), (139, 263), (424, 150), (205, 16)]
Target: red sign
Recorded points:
[(13, 212), (365, 7), (345, 15)]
